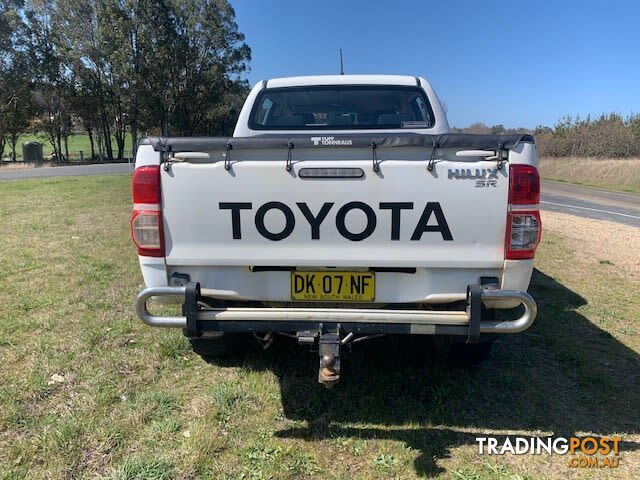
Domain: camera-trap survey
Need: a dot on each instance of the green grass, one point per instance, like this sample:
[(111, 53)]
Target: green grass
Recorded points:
[(601, 185), (133, 402), (77, 143)]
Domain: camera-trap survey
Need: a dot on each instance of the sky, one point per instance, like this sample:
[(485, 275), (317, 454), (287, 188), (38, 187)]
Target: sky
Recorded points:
[(504, 62)]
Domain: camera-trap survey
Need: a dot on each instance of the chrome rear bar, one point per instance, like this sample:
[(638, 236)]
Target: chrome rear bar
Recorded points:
[(419, 318)]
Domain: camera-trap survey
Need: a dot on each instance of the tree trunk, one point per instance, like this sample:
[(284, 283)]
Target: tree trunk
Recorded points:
[(90, 133), (163, 126), (13, 141), (106, 131), (61, 159), (66, 148), (134, 137), (120, 132), (100, 146), (52, 141), (120, 144), (164, 122)]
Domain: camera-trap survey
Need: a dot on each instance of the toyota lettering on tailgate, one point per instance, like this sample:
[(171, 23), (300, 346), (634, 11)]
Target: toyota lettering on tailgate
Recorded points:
[(431, 220)]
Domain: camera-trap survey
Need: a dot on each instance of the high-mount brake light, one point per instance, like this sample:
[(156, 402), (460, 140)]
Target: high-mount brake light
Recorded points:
[(524, 227), (146, 220)]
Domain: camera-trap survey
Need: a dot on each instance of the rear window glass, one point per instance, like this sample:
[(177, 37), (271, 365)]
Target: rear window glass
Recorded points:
[(344, 107)]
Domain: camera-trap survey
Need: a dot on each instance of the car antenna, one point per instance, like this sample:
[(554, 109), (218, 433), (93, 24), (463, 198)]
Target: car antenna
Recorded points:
[(341, 65)]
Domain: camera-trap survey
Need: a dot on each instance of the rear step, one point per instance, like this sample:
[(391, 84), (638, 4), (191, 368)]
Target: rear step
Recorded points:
[(325, 326), (430, 322)]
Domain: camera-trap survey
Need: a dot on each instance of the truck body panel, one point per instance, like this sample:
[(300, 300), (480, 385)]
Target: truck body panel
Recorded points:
[(330, 178), (451, 234)]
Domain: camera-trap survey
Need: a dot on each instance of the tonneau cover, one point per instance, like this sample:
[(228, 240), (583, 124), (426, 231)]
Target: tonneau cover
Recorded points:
[(355, 140)]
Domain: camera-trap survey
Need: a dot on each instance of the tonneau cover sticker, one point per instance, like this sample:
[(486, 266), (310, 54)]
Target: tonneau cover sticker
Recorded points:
[(331, 141)]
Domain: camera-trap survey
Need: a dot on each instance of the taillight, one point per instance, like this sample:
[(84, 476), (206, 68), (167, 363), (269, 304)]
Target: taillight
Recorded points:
[(523, 234), (146, 185), (524, 227), (146, 221), (524, 185)]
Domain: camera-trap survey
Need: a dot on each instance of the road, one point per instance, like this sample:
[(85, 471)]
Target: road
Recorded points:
[(71, 171), (558, 197), (591, 202)]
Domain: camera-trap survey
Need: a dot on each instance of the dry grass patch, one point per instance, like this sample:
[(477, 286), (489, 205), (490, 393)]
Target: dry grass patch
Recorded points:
[(600, 245), (616, 174), (4, 166)]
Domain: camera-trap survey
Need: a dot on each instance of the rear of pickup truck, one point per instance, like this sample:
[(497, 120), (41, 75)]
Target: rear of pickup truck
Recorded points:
[(336, 236)]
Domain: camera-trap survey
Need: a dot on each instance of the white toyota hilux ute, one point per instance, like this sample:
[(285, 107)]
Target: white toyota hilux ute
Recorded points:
[(341, 209)]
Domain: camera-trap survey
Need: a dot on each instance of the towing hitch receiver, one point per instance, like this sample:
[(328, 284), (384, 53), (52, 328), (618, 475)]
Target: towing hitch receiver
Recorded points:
[(329, 346)]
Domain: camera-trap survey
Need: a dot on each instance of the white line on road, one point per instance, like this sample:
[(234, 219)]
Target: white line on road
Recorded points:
[(592, 209)]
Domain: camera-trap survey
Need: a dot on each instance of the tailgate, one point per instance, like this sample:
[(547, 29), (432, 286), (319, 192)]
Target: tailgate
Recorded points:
[(259, 214)]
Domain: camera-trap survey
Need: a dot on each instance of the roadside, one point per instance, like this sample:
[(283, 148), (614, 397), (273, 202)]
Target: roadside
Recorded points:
[(622, 175), (600, 245), (20, 165)]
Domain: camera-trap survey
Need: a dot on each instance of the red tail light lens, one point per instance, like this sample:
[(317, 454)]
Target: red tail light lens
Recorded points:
[(523, 234), (524, 227), (524, 185), (146, 185), (146, 221)]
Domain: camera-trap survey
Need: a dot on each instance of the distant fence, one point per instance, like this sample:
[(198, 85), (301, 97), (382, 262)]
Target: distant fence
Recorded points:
[(79, 158)]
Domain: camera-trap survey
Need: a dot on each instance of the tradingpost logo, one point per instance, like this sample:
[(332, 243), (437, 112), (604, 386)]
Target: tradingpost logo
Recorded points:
[(586, 452)]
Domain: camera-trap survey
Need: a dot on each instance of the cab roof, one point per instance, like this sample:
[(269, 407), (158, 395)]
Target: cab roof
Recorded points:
[(342, 80)]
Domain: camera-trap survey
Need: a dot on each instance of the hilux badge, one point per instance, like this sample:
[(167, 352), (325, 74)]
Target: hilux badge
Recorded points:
[(484, 177), (468, 174)]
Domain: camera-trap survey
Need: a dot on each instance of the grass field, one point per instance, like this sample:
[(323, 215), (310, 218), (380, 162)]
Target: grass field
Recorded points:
[(87, 391), (77, 143), (613, 174)]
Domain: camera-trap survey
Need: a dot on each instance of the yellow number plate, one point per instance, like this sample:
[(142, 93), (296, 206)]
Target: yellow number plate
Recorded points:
[(333, 286)]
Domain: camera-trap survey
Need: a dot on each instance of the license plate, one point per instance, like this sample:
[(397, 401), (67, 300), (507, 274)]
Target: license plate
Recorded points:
[(333, 286)]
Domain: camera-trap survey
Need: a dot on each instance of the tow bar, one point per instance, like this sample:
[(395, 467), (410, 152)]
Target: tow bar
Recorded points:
[(323, 328), (329, 346)]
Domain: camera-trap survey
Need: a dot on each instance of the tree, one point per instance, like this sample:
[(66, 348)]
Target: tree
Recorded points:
[(167, 66), (117, 67), (20, 108), (479, 128), (215, 56), (497, 129), (52, 85), (88, 64), (186, 57), (85, 107), (13, 91)]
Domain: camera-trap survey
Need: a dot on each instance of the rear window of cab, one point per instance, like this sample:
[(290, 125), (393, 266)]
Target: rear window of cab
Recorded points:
[(341, 107)]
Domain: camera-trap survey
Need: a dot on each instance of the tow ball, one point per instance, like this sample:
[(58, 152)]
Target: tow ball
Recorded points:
[(331, 347)]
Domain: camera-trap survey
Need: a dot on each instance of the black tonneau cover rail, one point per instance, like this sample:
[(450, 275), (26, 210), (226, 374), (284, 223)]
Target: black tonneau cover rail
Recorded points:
[(355, 140)]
